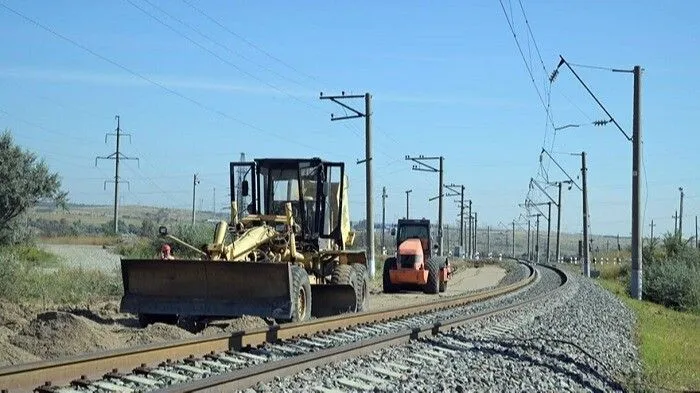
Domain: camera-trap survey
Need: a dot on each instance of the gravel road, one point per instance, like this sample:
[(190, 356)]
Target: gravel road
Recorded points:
[(84, 256), (579, 341), (465, 280)]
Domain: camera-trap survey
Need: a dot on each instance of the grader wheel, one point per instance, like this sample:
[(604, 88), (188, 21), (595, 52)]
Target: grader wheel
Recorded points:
[(301, 296), (355, 277)]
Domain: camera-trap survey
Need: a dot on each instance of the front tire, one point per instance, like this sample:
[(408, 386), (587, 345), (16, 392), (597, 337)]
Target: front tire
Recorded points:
[(433, 284), (355, 277), (362, 286), (301, 296), (387, 285)]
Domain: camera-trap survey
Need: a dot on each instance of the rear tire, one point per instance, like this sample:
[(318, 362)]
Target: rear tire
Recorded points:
[(301, 292), (443, 284), (349, 275), (433, 284), (387, 285), (362, 286)]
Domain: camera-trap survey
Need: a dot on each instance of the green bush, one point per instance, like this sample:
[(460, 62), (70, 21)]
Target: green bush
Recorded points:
[(614, 271), (673, 283)]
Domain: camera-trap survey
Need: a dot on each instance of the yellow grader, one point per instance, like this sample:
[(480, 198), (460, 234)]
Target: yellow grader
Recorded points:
[(286, 258)]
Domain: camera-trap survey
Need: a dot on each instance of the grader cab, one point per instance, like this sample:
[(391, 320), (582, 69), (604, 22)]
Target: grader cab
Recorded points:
[(286, 257)]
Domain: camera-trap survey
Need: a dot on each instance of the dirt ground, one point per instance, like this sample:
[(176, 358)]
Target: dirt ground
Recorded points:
[(29, 333), (466, 278)]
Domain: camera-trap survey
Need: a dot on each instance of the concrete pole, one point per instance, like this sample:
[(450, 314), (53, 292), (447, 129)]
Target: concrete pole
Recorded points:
[(440, 194), (368, 186), (461, 222), (470, 246), (195, 181), (488, 240), (513, 255), (383, 216), (558, 224), (549, 228), (476, 221), (586, 244), (636, 276), (447, 237), (407, 192), (529, 254), (537, 242), (680, 216), (675, 223)]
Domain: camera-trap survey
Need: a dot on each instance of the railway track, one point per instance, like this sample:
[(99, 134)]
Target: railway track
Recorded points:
[(228, 362)]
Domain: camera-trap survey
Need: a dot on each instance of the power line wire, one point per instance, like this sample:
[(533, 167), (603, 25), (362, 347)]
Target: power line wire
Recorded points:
[(248, 42), (353, 127), (592, 67), (149, 80), (216, 55), (529, 29), (527, 66), (225, 61), (219, 44)]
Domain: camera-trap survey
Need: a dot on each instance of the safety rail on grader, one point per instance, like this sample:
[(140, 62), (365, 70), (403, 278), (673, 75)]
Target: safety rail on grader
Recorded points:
[(286, 258)]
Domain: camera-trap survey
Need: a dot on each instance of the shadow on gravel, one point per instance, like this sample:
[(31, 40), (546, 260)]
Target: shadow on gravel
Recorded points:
[(126, 321), (514, 348)]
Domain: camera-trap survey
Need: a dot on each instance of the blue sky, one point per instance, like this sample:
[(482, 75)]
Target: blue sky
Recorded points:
[(446, 79)]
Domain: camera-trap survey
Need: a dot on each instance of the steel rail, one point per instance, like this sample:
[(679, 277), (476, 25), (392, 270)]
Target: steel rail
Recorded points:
[(250, 376), (58, 372), (241, 379)]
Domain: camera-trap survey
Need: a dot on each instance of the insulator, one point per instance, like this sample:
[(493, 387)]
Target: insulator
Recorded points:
[(554, 75)]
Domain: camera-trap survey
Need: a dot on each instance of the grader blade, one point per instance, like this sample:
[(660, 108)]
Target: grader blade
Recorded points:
[(206, 288), (333, 299)]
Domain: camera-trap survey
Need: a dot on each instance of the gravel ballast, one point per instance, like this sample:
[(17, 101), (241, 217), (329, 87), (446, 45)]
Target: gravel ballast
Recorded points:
[(582, 340)]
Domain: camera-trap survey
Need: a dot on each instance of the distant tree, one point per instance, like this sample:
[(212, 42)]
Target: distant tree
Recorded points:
[(148, 228), (25, 182), (162, 215)]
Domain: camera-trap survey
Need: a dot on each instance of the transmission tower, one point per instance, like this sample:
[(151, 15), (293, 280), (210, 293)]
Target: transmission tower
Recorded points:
[(116, 156)]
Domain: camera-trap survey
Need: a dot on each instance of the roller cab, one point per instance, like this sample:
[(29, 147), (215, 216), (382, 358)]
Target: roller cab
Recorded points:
[(414, 267)]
